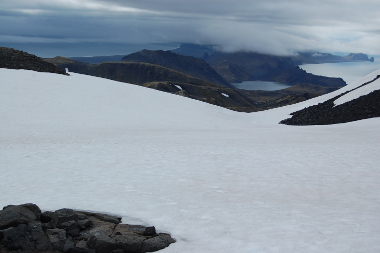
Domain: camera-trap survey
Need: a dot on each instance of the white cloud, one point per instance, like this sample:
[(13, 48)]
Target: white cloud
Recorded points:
[(275, 26)]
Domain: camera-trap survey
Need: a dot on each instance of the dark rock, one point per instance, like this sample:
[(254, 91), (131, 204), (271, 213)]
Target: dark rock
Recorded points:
[(26, 237), (57, 238), (85, 223), (80, 250), (157, 243), (65, 215), (108, 218), (150, 231), (82, 216), (81, 247), (48, 217), (72, 227), (129, 243), (34, 208), (126, 229), (15, 215), (101, 242), (42, 241)]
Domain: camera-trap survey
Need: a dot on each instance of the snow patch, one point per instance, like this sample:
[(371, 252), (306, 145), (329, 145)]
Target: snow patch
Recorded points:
[(226, 95), (179, 87), (216, 179)]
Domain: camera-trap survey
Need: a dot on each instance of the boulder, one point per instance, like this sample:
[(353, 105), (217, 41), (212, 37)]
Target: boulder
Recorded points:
[(64, 215), (58, 239), (26, 237), (108, 218), (12, 216), (157, 243), (101, 242)]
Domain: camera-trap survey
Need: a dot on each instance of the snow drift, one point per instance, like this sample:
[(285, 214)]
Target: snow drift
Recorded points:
[(217, 180)]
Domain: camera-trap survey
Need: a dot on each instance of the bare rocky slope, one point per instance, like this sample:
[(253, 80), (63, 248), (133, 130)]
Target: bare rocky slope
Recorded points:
[(327, 113), (15, 59)]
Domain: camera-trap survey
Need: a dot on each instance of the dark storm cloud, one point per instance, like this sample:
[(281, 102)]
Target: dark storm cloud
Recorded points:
[(271, 26)]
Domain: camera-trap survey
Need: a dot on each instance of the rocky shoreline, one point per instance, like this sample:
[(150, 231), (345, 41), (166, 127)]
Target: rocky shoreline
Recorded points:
[(24, 228)]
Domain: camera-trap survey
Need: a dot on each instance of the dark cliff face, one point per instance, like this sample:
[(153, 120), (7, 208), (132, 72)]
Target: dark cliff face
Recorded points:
[(15, 59), (259, 66), (186, 64)]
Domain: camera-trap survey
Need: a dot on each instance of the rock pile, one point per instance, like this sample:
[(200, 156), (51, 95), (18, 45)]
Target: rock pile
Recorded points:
[(15, 59), (326, 113), (25, 228)]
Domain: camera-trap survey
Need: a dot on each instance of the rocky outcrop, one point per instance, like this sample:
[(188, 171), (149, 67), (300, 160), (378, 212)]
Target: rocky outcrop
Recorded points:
[(189, 65), (26, 228), (326, 113), (15, 59)]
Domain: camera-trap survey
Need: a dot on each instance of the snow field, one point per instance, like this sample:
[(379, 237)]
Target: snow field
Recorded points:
[(217, 180)]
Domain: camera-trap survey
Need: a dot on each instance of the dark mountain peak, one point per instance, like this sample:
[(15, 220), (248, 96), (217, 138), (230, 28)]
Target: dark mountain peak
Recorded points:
[(186, 64), (15, 59)]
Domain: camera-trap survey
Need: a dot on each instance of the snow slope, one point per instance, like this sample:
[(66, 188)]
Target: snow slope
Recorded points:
[(217, 180)]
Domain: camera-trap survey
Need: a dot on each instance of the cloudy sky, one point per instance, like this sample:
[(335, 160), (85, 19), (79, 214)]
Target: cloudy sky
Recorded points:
[(271, 26)]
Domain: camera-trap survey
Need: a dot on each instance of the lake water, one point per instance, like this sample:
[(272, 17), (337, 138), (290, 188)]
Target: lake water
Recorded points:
[(348, 71), (260, 85)]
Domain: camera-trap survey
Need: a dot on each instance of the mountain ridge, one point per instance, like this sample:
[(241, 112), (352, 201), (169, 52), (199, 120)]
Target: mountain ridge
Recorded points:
[(186, 64)]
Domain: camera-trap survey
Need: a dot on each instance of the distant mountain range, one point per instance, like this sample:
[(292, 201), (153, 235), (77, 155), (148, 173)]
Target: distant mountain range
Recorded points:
[(315, 58)]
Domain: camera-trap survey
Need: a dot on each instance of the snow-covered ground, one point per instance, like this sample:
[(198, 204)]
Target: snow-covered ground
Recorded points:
[(217, 180)]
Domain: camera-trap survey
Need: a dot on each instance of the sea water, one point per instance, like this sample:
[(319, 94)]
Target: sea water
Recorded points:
[(348, 71)]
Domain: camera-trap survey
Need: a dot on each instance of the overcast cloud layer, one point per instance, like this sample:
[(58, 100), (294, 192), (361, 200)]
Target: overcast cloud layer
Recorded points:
[(271, 26)]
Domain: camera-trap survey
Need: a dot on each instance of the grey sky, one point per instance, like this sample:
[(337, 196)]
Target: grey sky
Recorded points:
[(271, 26)]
